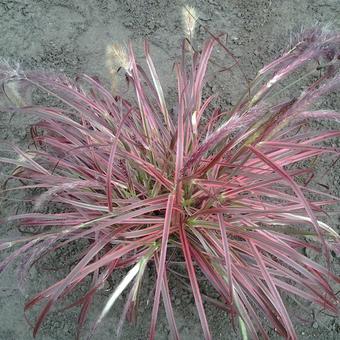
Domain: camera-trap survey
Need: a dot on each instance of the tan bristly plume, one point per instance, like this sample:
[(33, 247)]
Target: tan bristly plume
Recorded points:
[(189, 21), (117, 56)]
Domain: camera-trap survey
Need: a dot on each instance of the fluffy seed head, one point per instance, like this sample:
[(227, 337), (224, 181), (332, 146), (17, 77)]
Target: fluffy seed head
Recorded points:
[(189, 21), (117, 56), (12, 91)]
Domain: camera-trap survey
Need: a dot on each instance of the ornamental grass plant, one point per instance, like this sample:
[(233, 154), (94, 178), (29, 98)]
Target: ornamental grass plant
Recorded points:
[(229, 194)]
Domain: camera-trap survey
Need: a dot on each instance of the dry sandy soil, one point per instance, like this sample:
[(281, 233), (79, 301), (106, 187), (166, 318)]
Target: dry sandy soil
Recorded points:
[(71, 36)]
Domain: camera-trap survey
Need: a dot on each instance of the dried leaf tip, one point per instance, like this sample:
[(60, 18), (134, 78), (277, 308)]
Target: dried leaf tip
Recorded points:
[(189, 21), (117, 56)]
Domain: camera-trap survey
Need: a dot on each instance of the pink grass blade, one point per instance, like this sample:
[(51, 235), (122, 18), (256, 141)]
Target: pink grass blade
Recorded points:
[(201, 71), (168, 308), (226, 253), (161, 269), (110, 162), (297, 190), (158, 87), (277, 301), (167, 302), (194, 283), (148, 119), (180, 136), (149, 168)]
